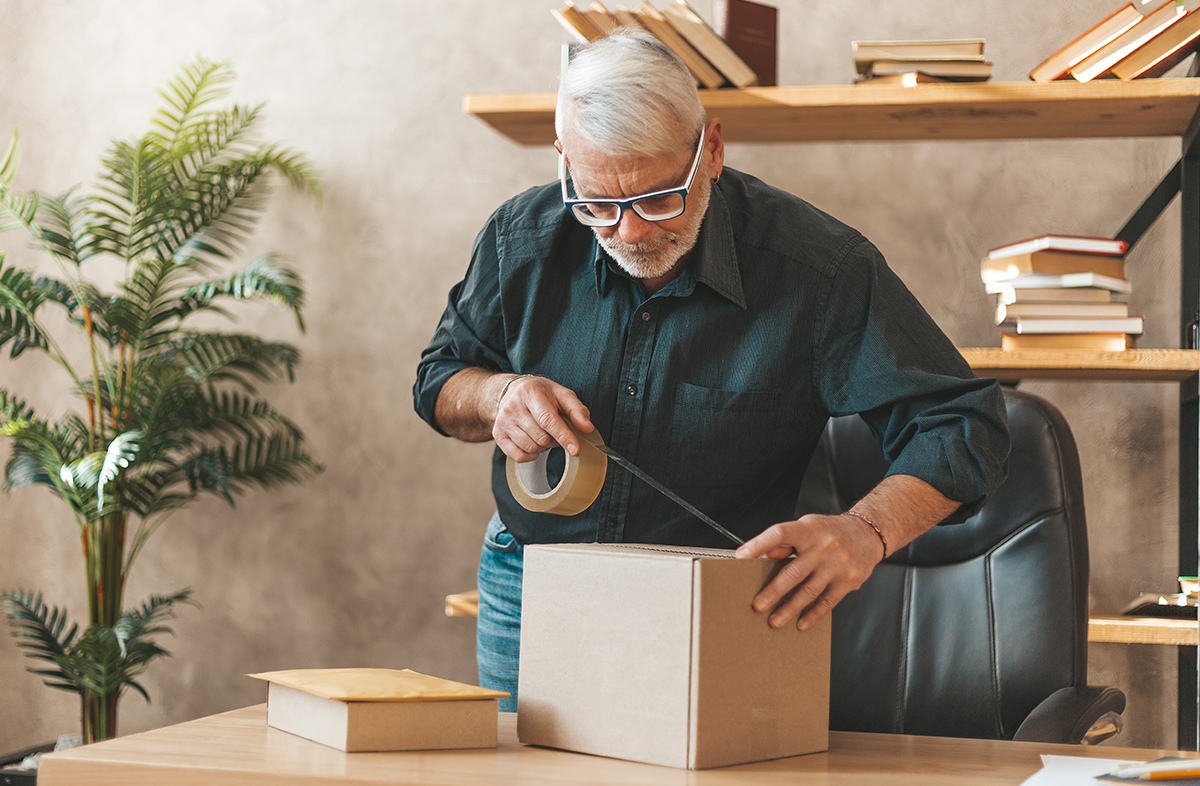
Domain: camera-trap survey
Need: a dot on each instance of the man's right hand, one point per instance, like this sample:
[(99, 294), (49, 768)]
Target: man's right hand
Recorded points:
[(532, 414)]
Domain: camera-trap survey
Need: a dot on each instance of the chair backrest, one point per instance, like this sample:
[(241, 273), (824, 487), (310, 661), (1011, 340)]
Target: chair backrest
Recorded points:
[(963, 632)]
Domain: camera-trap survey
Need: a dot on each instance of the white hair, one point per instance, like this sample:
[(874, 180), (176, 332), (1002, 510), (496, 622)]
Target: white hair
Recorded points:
[(630, 94)]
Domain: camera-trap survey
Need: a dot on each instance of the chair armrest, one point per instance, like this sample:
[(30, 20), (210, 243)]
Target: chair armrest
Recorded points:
[(1066, 715)]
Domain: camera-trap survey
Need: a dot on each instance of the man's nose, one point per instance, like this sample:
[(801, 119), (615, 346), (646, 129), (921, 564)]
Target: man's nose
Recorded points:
[(633, 228)]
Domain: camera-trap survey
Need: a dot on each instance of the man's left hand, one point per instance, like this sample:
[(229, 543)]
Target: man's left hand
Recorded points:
[(834, 556)]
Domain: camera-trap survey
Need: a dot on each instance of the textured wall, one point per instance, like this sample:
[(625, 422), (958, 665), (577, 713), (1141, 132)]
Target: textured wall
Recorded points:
[(351, 568)]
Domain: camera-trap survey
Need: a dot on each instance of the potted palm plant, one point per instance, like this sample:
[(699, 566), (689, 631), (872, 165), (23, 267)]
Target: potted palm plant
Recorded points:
[(167, 411)]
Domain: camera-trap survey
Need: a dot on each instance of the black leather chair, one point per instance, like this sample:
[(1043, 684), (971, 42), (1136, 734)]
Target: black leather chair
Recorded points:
[(977, 629)]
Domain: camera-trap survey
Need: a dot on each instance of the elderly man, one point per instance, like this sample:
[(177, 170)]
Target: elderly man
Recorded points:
[(708, 325)]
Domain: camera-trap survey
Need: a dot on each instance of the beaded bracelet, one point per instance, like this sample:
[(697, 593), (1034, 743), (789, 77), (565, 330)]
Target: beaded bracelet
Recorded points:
[(882, 539), (504, 389)]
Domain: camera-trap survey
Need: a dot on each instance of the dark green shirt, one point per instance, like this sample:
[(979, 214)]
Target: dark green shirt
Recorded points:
[(719, 384)]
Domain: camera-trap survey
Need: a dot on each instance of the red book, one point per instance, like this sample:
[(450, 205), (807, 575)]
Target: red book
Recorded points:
[(751, 30)]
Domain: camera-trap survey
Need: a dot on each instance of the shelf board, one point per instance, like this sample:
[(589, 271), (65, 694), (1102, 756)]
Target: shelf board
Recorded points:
[(1142, 630), (1135, 365), (837, 113)]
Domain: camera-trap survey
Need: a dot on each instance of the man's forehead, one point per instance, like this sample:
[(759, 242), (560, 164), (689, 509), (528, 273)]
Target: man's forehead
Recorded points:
[(592, 165)]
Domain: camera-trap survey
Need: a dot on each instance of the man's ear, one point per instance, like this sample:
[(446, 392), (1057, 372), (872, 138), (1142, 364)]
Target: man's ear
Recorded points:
[(715, 144), (558, 145)]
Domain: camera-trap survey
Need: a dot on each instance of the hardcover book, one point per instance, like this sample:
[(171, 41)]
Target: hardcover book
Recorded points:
[(1099, 62), (653, 20), (1052, 262), (956, 49), (960, 70), (575, 23), (1058, 64), (1076, 244), (697, 33), (752, 30), (1163, 52), (1105, 342)]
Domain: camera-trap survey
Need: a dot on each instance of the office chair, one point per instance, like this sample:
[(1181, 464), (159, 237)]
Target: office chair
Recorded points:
[(977, 629)]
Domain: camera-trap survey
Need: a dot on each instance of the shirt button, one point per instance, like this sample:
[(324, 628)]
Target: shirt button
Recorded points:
[(645, 316), (610, 525), (631, 390)]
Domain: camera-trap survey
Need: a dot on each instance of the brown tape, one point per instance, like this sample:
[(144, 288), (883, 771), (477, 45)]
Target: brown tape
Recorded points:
[(582, 479)]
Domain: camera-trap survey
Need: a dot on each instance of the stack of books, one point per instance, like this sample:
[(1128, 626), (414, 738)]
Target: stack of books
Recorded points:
[(912, 62), (1126, 45), (745, 32), (1062, 292)]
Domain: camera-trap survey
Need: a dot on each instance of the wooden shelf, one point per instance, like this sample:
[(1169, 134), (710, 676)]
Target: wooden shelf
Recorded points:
[(838, 113), (463, 604), (1143, 630), (1144, 365)]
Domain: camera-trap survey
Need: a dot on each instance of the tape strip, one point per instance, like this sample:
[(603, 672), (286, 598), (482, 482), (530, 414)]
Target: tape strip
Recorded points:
[(582, 479)]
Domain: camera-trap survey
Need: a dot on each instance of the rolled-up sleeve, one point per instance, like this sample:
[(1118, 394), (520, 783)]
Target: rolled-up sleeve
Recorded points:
[(471, 330), (880, 355)]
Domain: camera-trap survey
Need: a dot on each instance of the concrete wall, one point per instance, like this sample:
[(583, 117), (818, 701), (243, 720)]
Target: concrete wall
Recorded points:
[(351, 568)]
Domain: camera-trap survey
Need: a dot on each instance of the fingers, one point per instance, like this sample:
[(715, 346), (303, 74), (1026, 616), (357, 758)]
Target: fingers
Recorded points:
[(830, 563), (769, 542), (529, 419)]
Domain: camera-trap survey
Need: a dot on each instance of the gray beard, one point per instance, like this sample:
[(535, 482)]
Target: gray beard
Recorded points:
[(656, 258)]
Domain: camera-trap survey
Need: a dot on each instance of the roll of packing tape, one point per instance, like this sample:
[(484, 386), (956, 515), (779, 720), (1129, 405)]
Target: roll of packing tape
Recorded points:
[(582, 479)]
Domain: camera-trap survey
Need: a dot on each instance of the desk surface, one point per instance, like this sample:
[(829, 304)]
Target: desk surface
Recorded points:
[(239, 748)]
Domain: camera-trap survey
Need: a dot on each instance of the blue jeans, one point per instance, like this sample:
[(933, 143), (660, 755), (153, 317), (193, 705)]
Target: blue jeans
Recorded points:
[(498, 633)]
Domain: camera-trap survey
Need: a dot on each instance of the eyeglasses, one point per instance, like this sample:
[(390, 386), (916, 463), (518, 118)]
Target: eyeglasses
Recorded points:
[(655, 206)]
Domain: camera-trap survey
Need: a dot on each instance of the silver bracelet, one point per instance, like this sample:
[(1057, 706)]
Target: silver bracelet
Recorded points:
[(504, 389)]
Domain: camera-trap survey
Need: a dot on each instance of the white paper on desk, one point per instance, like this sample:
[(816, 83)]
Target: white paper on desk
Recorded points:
[(1071, 770)]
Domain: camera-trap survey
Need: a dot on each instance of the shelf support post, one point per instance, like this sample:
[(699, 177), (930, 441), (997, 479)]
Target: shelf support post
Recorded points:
[(1189, 422)]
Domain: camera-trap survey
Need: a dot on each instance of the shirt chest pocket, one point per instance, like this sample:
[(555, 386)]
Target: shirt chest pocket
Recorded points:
[(722, 437)]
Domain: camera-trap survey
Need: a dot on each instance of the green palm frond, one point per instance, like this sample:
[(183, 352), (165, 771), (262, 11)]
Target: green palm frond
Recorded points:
[(231, 414), (261, 461), (13, 408), (221, 208), (295, 168), (10, 161), (20, 297), (63, 227), (95, 662), (146, 313), (234, 357), (264, 277), (16, 209), (199, 84), (134, 213), (42, 632)]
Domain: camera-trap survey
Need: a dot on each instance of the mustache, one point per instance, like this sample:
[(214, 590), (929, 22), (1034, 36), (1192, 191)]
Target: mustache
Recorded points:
[(645, 247)]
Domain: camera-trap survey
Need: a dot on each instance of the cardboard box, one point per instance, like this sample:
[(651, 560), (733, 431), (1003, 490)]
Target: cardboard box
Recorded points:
[(653, 653)]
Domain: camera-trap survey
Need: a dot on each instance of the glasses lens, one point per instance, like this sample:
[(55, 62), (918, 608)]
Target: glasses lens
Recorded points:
[(660, 208), (597, 214)]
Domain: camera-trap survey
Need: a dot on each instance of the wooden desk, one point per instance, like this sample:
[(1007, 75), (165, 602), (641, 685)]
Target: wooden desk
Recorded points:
[(239, 748)]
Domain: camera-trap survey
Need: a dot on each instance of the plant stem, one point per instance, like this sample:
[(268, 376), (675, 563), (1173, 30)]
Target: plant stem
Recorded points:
[(96, 423)]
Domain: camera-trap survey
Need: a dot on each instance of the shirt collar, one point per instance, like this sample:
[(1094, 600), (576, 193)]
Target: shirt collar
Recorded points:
[(714, 263)]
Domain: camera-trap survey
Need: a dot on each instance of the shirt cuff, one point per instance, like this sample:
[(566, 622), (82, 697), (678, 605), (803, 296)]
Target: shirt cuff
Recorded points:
[(955, 468)]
